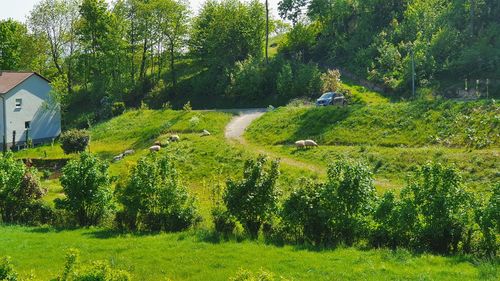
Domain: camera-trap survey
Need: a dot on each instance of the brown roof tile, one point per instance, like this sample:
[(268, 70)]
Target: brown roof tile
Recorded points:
[(10, 79)]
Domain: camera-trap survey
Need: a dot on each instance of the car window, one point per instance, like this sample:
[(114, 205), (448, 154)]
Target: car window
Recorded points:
[(327, 95)]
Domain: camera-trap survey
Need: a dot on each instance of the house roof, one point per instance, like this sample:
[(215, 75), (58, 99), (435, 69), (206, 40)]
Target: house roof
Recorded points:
[(10, 79)]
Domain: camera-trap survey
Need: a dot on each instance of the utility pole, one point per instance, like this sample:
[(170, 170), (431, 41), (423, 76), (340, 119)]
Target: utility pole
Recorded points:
[(487, 87), (413, 73)]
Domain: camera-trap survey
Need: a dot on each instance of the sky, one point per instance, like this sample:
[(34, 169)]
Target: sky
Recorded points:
[(19, 9)]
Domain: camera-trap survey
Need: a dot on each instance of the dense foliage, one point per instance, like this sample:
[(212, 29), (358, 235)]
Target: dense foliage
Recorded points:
[(153, 199), (21, 193), (253, 200), (86, 184), (333, 212), (74, 141), (449, 41)]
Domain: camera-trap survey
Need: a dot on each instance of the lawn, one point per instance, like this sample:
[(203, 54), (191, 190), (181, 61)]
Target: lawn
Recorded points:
[(393, 138), (194, 256)]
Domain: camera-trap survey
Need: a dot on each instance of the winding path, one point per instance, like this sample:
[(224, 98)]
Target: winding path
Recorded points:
[(237, 126)]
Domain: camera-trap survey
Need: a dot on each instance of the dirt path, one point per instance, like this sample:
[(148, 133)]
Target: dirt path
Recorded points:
[(236, 128)]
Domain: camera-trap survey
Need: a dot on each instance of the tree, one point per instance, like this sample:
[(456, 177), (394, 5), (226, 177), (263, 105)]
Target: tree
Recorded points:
[(226, 32), (253, 199), (153, 199), (86, 184), (20, 193), (55, 21), (20, 50)]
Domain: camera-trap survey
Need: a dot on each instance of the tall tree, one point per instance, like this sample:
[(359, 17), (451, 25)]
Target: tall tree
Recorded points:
[(55, 20)]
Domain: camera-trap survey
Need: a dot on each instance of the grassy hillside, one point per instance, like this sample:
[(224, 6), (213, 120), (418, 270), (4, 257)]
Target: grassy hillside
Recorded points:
[(190, 256), (202, 161), (392, 137)]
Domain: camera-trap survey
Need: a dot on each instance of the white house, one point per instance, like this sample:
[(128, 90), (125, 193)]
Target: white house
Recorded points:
[(26, 110)]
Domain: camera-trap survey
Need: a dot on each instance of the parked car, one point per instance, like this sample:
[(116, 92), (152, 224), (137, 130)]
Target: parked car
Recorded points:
[(331, 98)]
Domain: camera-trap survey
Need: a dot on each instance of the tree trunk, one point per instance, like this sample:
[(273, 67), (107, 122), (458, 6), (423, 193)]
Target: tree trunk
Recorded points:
[(172, 64)]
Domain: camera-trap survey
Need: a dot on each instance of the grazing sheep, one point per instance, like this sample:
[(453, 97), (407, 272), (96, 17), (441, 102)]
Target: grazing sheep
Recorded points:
[(205, 133), (175, 138), (128, 152), (300, 144), (158, 143), (155, 148), (118, 157), (309, 143)]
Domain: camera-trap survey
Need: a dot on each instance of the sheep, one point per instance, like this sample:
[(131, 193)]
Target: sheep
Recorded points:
[(155, 148), (309, 143), (300, 144), (175, 138), (118, 157), (205, 133), (128, 152)]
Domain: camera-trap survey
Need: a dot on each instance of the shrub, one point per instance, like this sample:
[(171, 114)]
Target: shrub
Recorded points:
[(118, 108), (187, 107), (7, 272), (331, 81), (74, 141), (488, 219), (86, 183), (224, 222), (153, 198), (245, 275), (21, 193), (335, 211), (434, 213), (97, 271), (253, 199)]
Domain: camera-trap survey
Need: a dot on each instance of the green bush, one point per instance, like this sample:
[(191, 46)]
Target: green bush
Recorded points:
[(488, 219), (118, 108), (86, 184), (253, 200), (262, 275), (74, 141), (153, 199), (224, 222), (434, 213), (21, 193), (7, 272), (97, 271), (337, 211)]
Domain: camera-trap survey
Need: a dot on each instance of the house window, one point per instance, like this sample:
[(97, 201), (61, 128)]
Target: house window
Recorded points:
[(27, 125), (19, 103)]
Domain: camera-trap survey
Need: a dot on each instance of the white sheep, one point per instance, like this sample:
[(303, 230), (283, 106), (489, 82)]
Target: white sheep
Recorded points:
[(155, 148), (118, 157), (205, 133), (309, 143), (128, 152), (175, 138), (300, 144)]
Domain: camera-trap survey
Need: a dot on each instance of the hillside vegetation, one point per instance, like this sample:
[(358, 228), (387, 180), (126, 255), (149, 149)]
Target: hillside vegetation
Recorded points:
[(392, 137)]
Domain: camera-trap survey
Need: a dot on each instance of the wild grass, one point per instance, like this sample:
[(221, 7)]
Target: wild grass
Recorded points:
[(394, 138), (193, 256)]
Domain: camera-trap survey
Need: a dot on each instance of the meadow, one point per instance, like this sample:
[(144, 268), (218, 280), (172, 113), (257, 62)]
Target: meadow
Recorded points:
[(197, 256)]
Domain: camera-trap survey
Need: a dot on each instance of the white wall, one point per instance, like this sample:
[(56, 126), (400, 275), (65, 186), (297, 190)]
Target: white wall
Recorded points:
[(45, 118)]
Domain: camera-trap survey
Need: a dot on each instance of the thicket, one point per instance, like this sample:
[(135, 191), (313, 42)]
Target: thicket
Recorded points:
[(153, 198), (21, 193), (433, 212), (87, 186)]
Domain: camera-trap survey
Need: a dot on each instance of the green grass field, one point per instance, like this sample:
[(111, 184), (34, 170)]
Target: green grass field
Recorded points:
[(393, 145), (392, 137), (191, 256)]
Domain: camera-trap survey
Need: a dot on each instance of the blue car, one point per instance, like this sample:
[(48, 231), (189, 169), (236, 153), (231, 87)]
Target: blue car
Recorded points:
[(330, 98)]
